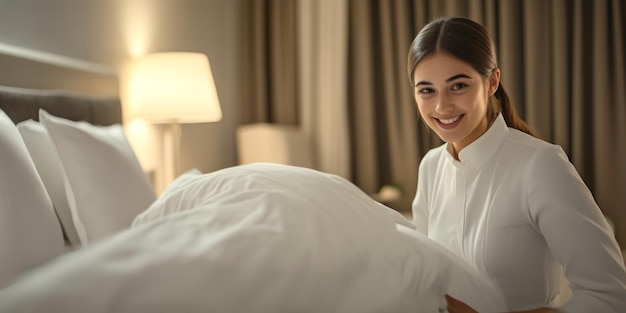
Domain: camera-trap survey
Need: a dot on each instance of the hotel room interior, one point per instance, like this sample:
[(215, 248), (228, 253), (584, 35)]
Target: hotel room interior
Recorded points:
[(320, 84)]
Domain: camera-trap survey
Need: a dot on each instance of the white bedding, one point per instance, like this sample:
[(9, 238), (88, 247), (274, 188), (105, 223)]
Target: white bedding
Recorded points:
[(256, 238)]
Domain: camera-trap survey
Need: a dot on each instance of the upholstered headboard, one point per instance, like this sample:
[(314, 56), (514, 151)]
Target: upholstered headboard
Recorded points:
[(21, 104), (72, 89)]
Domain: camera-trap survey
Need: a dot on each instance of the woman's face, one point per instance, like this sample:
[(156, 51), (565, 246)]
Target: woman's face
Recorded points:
[(452, 98)]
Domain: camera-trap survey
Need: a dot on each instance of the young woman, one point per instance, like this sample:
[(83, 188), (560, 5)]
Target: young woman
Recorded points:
[(510, 204)]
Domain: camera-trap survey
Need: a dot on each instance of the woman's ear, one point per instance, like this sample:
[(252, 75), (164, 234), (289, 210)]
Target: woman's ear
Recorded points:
[(494, 81)]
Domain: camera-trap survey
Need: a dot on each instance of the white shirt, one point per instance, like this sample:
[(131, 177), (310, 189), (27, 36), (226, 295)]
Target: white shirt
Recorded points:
[(516, 209)]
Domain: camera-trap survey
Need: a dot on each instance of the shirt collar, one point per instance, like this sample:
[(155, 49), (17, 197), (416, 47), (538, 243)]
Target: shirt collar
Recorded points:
[(479, 151)]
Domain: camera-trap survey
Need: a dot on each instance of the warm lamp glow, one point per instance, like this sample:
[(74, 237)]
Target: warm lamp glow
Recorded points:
[(173, 87)]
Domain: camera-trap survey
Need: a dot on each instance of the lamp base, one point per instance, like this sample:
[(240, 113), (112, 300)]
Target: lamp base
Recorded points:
[(171, 152)]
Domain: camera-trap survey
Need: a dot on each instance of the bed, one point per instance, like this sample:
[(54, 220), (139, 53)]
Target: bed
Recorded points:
[(81, 229)]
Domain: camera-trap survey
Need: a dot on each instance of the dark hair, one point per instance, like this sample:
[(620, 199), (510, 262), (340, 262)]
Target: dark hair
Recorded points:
[(470, 42)]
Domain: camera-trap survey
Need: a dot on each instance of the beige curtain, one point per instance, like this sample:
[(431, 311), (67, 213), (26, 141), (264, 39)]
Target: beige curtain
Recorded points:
[(322, 55), (269, 80)]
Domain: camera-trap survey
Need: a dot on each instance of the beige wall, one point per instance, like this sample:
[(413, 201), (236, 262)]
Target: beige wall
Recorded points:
[(111, 32)]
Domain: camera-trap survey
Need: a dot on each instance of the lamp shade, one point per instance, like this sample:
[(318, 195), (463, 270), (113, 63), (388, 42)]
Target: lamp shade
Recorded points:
[(173, 87)]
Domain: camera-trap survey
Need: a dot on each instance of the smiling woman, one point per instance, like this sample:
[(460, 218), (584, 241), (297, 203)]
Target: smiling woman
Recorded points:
[(508, 203), (454, 101)]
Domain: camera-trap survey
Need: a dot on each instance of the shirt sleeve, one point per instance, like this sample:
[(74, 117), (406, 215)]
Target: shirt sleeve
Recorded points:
[(564, 211)]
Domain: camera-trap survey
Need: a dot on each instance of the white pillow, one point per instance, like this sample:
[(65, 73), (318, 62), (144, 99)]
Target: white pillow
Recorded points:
[(258, 238), (48, 164), (30, 233), (106, 186)]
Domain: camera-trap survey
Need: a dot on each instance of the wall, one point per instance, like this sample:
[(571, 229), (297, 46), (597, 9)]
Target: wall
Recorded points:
[(112, 32)]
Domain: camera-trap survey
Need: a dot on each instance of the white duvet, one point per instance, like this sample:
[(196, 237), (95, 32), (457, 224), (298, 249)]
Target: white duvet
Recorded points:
[(256, 238)]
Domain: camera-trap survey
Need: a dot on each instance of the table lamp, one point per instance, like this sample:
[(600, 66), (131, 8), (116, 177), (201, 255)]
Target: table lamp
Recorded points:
[(173, 88)]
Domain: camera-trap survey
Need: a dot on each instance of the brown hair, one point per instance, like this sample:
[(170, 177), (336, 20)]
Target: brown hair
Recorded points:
[(470, 42)]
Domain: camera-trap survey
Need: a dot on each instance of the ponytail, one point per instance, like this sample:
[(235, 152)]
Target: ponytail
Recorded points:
[(508, 112)]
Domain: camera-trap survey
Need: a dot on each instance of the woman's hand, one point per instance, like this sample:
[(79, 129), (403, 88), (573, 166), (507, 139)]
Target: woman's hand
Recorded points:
[(456, 306)]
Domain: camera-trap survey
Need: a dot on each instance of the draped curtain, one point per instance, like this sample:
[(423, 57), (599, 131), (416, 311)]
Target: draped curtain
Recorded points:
[(563, 64), (268, 59), (322, 77)]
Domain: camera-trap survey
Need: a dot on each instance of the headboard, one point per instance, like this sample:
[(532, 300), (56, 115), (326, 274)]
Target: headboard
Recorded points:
[(64, 87), (21, 104)]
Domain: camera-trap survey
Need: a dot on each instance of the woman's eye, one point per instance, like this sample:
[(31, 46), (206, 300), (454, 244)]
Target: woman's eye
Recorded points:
[(458, 86), (425, 91)]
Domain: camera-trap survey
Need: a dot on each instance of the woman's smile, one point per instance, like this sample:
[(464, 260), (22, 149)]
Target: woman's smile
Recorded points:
[(449, 122)]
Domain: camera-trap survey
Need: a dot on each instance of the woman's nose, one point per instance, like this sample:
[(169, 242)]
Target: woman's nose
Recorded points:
[(443, 104)]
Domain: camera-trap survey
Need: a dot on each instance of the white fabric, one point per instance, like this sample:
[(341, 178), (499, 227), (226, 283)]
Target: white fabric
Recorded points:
[(48, 164), (30, 233), (515, 208), (257, 238), (163, 206), (106, 186)]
